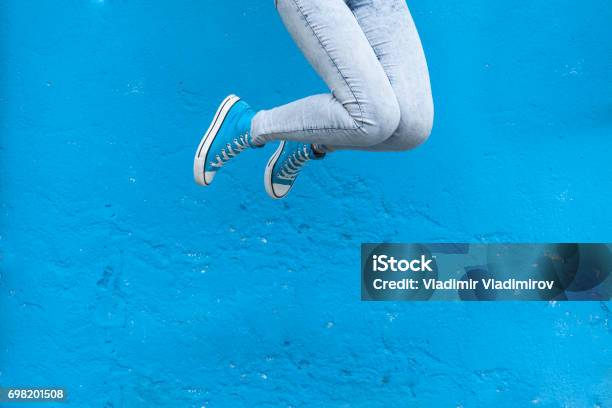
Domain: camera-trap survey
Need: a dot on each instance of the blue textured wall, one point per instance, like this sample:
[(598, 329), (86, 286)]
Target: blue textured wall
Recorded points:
[(128, 284)]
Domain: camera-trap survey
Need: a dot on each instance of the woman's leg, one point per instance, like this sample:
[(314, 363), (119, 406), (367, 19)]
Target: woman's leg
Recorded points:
[(389, 28), (361, 110)]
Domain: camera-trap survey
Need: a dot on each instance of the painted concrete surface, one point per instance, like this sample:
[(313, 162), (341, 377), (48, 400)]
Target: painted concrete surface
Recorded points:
[(129, 285)]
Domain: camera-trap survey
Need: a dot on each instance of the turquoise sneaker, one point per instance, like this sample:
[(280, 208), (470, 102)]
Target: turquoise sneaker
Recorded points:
[(284, 166), (227, 136)]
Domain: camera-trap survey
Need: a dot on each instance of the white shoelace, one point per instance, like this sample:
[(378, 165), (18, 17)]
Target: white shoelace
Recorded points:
[(229, 152), (294, 164)]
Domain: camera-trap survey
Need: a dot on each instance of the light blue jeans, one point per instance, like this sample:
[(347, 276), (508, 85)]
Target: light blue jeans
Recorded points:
[(369, 54)]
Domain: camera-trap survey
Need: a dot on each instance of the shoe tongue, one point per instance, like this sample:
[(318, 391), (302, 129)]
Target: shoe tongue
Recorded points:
[(244, 121)]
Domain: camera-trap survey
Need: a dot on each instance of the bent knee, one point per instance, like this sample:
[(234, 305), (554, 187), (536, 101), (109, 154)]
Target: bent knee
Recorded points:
[(414, 133), (379, 122), (411, 132)]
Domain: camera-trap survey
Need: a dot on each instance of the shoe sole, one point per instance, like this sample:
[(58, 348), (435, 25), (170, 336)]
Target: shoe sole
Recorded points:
[(268, 172), (199, 161)]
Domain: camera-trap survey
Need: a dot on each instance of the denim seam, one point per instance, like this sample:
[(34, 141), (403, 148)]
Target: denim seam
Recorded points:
[(299, 6), (357, 126)]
